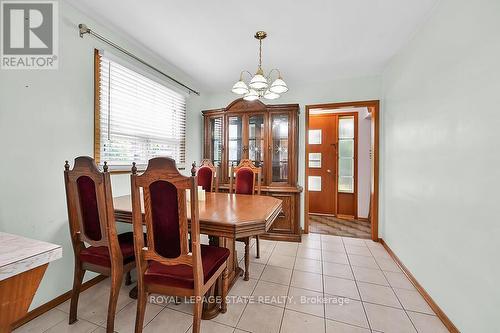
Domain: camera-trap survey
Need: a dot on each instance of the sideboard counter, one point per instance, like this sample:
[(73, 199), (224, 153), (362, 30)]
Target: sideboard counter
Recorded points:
[(19, 254)]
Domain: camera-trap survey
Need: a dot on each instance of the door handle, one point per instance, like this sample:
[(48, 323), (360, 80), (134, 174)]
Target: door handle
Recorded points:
[(329, 171)]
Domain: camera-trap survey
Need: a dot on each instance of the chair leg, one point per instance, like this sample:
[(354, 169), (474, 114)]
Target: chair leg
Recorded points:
[(225, 287), (116, 283), (257, 245), (198, 308), (141, 309), (247, 259), (128, 279), (75, 293)]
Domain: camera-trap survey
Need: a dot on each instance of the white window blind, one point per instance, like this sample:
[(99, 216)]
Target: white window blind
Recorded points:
[(139, 118)]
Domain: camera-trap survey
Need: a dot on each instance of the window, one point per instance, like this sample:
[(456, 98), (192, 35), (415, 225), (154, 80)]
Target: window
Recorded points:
[(315, 137), (314, 183), (315, 160), (136, 118), (346, 155)]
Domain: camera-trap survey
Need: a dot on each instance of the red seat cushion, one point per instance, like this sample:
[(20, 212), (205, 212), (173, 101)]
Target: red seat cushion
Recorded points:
[(99, 255), (181, 276)]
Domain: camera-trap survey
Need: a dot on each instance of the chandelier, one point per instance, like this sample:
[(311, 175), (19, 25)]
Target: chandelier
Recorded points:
[(258, 86)]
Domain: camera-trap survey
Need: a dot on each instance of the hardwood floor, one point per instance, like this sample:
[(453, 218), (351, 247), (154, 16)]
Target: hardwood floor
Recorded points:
[(330, 225)]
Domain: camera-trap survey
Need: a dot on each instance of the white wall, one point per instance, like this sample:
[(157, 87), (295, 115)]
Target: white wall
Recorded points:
[(342, 90), (440, 164), (47, 117), (364, 163)]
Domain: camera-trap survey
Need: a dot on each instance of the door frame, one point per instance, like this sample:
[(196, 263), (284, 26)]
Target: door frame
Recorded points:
[(374, 109)]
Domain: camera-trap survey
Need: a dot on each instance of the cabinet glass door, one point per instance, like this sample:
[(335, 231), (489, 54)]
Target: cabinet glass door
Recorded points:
[(216, 140), (256, 140), (279, 152), (235, 141)]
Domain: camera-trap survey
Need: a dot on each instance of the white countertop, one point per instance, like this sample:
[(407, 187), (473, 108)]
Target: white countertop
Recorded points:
[(19, 254)]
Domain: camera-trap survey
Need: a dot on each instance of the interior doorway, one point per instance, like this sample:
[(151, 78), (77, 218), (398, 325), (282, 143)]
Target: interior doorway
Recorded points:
[(341, 169)]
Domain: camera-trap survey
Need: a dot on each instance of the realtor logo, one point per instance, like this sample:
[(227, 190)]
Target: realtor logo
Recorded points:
[(29, 36)]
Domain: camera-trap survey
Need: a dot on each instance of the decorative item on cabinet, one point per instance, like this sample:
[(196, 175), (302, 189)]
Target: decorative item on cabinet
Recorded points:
[(268, 136)]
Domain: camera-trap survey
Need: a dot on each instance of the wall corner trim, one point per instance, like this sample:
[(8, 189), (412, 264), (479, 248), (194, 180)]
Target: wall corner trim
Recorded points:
[(439, 313)]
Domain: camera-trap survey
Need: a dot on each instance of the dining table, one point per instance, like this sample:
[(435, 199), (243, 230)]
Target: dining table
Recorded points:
[(224, 218)]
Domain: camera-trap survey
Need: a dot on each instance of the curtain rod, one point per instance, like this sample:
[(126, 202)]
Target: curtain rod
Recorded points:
[(86, 30)]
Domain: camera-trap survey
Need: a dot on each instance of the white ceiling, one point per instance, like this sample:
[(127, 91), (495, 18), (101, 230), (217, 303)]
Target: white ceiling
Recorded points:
[(310, 41)]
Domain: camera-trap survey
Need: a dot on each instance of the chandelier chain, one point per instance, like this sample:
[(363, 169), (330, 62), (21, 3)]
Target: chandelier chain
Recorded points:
[(260, 53)]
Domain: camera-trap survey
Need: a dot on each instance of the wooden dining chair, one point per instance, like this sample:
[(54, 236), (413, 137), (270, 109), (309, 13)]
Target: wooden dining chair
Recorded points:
[(244, 177), (164, 264), (96, 245), (207, 176)]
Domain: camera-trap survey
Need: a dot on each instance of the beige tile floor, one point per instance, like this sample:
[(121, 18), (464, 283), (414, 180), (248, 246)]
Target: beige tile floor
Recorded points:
[(293, 287)]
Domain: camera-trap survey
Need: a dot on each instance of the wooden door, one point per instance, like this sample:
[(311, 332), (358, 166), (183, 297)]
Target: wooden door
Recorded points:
[(322, 156)]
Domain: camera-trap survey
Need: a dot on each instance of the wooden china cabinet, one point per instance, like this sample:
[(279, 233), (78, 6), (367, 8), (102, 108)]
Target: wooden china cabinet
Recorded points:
[(267, 135)]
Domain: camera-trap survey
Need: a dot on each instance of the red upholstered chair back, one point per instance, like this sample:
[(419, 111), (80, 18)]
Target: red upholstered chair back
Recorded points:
[(90, 205), (165, 217), (207, 176), (245, 175)]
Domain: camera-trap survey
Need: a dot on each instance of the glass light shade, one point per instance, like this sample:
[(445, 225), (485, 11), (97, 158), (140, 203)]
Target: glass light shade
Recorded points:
[(258, 82), (279, 86), (252, 95), (270, 95), (240, 88)]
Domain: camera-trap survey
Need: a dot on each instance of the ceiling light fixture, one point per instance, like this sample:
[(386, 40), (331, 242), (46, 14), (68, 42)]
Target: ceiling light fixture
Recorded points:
[(259, 86)]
